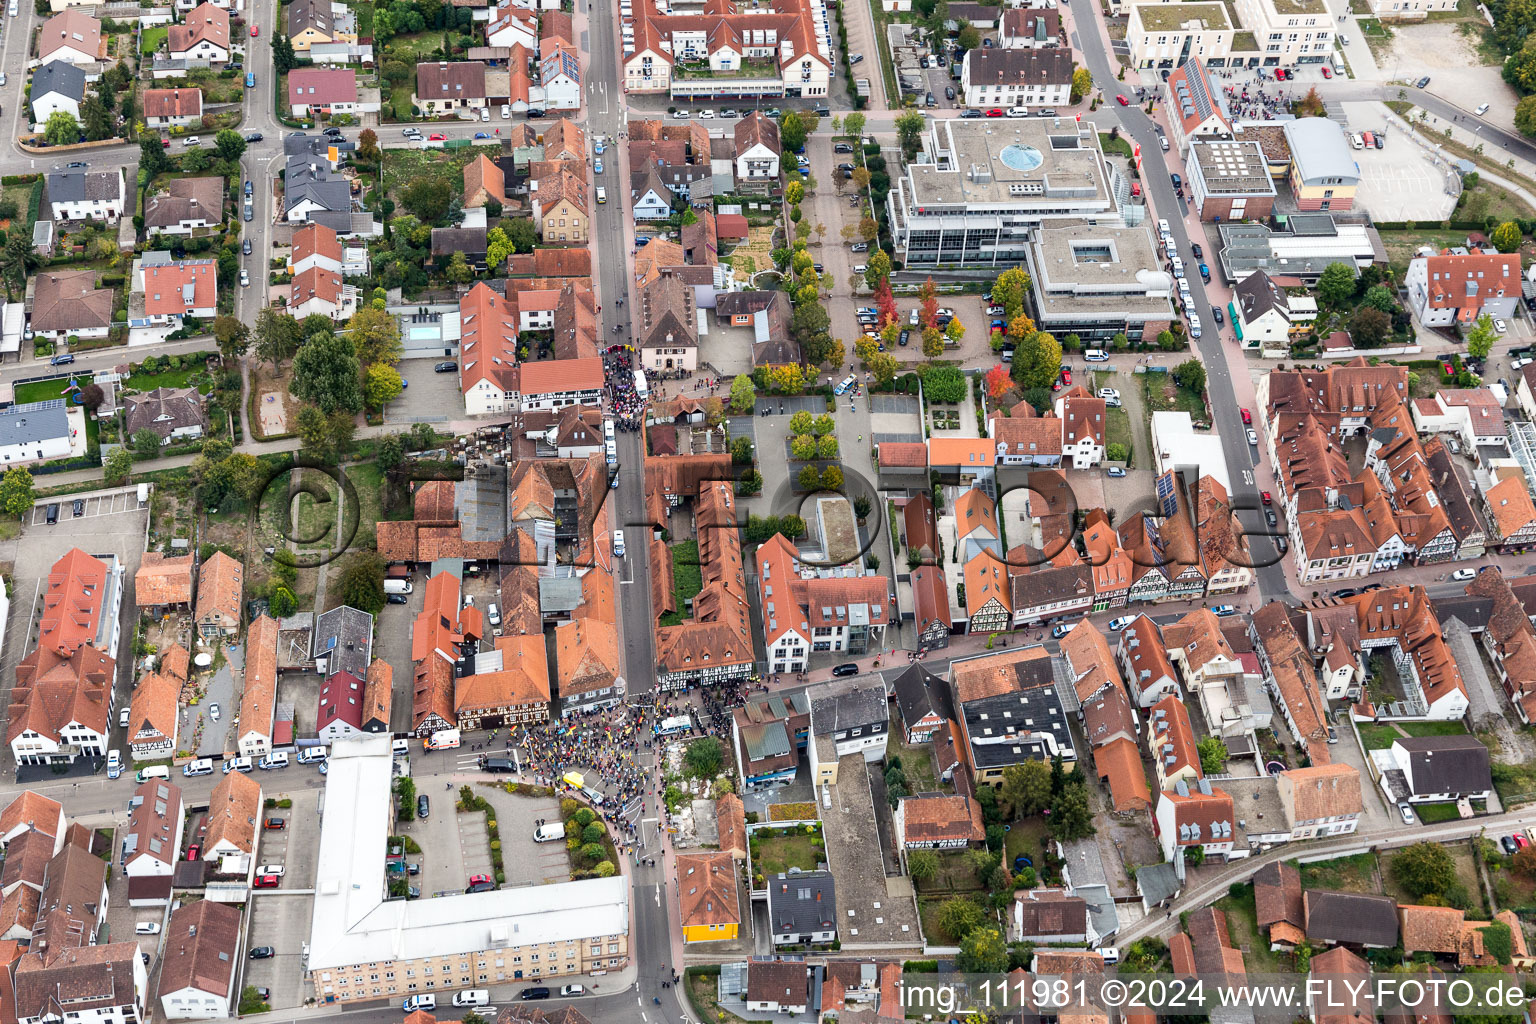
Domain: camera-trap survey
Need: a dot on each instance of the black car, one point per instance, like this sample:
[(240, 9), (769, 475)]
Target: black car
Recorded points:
[(253, 137), (79, 508), (481, 887), (413, 869), (906, 336), (539, 992), (423, 806), (396, 598), (77, 163), (1194, 247), (497, 765), (849, 669), (971, 113), (1216, 313), (535, 112), (247, 212), (949, 92), (1178, 182), (262, 952), (446, 366), (52, 514), (843, 147), (1269, 515), (1423, 83), (1509, 844)]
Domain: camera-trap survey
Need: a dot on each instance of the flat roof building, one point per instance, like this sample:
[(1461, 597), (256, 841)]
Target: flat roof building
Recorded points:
[(1165, 35), (363, 946), (1307, 245), (1097, 281), (1229, 180), (981, 187)]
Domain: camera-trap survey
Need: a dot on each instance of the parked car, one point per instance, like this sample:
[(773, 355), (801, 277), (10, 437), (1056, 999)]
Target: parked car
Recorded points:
[(1115, 471), (262, 952), (275, 824), (266, 882), (847, 669), (1253, 439), (423, 806), (1116, 625), (446, 366), (1464, 574), (1423, 83)]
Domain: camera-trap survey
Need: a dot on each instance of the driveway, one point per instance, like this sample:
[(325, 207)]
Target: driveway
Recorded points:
[(431, 398), (221, 691)]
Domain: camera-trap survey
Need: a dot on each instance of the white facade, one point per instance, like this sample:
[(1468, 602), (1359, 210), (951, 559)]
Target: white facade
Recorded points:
[(757, 163), (1302, 35), (191, 1003), (159, 862), (131, 1012), (44, 107), (1010, 92), (1163, 35)]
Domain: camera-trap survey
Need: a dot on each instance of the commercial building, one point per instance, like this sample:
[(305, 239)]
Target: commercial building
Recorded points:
[(1229, 180), (1017, 77), (979, 189), (1309, 244), (784, 50), (1097, 281), (1324, 176), (1165, 35), (1301, 33), (363, 946), (201, 956)]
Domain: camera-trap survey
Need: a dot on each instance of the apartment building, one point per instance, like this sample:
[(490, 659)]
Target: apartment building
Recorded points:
[(1166, 35)]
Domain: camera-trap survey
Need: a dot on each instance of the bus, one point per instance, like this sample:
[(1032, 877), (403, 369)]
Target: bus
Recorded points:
[(445, 739)]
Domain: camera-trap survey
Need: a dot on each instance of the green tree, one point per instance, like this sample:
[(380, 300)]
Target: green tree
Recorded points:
[(1071, 814), (1369, 327), (910, 125), (428, 198), (17, 494), (194, 161), (1037, 361), (523, 234), (1525, 114), (793, 131), (1026, 789), (802, 447), (152, 157), (232, 336), (826, 448), (1424, 869), (983, 951), (229, 144), (801, 422), (282, 603), (497, 248), (704, 758), (809, 479), (593, 833), (361, 581), (1008, 291), (98, 121), (117, 465), (884, 367), (743, 394), (958, 916), (969, 38), (853, 125), (933, 342), (1481, 337), (741, 450), (1336, 284), (922, 865), (284, 59), (146, 443), (61, 129), (832, 478), (808, 320), (1213, 755), (1082, 82), (1506, 237), (877, 269), (326, 373), (1379, 296), (381, 384), (278, 336), (375, 336), (1191, 374)]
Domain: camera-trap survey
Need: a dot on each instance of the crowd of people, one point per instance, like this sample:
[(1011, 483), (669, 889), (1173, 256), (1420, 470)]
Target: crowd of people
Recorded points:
[(1256, 103), (624, 402), (602, 743)]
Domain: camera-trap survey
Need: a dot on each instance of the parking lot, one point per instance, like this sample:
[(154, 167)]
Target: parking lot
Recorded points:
[(430, 397), (456, 846), (280, 917), (1403, 180), (112, 504)]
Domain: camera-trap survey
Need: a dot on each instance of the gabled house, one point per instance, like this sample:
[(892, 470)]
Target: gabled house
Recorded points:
[(921, 701), (1349, 918), (202, 35), (1450, 289), (176, 414), (443, 87), (56, 86), (1082, 417), (220, 590), (198, 971), (154, 717), (234, 810), (319, 22), (321, 90), (186, 205), (757, 153), (709, 903), (802, 910), (1171, 739), (177, 290), (87, 195), (67, 303), (1188, 816), (71, 36), (173, 108), (155, 823)]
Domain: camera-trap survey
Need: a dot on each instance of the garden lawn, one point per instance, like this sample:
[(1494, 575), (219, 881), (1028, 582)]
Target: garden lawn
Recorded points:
[(917, 764), (777, 854), (403, 166), (49, 390), (168, 379), (1347, 874), (1243, 929), (1433, 814), (1025, 836), (1466, 874), (151, 38), (687, 580), (1380, 737), (1163, 395), (1117, 422)]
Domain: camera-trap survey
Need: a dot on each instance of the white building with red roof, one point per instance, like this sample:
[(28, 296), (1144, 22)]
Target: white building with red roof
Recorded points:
[(323, 91), (492, 378), (789, 41), (204, 35), (175, 290), (1447, 289), (804, 611), (322, 291), (1197, 108)]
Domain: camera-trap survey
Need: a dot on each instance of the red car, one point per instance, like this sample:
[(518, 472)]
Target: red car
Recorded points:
[(193, 851), (1266, 497), (1066, 376), (1521, 841), (1327, 71), (265, 882), (253, 31), (1247, 416), (437, 137), (479, 879), (995, 112), (1450, 371), (1123, 101)]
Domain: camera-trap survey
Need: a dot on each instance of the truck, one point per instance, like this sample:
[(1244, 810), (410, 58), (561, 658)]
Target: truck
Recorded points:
[(641, 388), (444, 739), (397, 586), (674, 726)]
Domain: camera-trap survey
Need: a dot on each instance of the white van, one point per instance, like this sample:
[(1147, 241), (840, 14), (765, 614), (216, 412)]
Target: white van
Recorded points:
[(1356, 141), (472, 997), (427, 1002), (114, 764), (202, 766), (618, 543), (1096, 355), (154, 771), (238, 764), (147, 928), (309, 755), (397, 586), (602, 194), (400, 747), (274, 760), (549, 833)]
